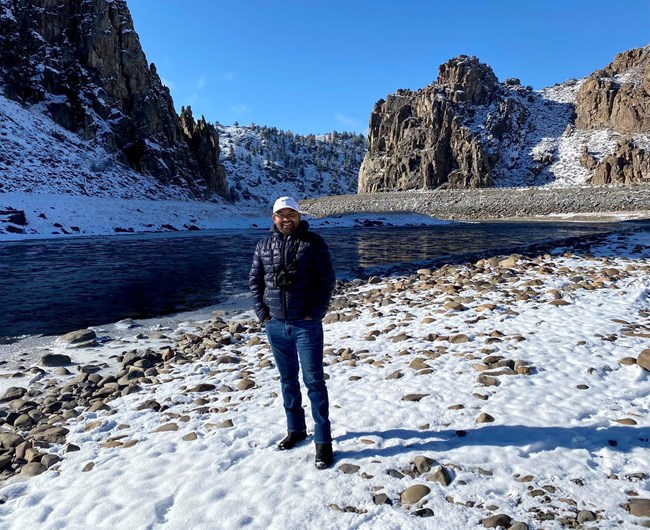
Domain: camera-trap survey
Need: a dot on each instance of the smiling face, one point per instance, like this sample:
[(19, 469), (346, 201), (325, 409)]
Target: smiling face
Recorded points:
[(286, 220)]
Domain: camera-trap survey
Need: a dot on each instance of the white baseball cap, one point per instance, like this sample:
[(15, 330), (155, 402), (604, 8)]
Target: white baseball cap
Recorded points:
[(286, 202)]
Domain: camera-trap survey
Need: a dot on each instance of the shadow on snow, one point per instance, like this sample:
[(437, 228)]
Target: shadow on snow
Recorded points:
[(526, 439)]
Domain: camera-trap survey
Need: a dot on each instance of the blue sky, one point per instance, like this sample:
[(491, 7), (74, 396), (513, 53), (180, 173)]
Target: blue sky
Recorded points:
[(314, 66)]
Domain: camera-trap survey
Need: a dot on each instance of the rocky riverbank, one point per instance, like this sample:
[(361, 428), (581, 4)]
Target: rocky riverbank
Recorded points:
[(596, 202), (459, 394)]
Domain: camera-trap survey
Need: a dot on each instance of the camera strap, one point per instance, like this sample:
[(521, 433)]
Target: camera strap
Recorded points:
[(294, 260)]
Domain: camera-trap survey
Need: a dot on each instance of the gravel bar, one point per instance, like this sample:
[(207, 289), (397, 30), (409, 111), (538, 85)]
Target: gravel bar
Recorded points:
[(494, 203)]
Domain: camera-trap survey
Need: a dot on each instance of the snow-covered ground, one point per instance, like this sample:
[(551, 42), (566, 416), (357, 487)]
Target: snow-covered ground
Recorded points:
[(51, 215), (568, 433)]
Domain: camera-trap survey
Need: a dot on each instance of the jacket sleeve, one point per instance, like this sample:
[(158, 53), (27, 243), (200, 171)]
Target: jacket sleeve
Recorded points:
[(257, 285), (324, 282)]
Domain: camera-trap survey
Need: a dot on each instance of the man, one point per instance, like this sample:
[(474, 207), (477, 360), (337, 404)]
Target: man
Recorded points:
[(292, 280)]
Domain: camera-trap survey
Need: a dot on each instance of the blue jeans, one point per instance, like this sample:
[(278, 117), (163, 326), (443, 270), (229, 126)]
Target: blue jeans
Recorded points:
[(291, 340)]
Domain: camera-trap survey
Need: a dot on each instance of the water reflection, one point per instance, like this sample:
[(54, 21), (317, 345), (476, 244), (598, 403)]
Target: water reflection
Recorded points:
[(422, 244), (53, 286)]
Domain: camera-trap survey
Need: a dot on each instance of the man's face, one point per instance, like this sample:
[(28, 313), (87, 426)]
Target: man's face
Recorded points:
[(286, 220)]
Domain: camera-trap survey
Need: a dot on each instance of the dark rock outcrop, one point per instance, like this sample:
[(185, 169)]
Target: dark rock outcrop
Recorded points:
[(630, 163), (617, 97), (423, 139), (468, 80), (203, 141), (83, 62)]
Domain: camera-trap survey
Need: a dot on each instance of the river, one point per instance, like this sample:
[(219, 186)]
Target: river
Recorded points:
[(54, 286)]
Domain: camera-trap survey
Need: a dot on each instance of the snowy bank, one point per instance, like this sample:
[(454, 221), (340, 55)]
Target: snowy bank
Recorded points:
[(55, 216)]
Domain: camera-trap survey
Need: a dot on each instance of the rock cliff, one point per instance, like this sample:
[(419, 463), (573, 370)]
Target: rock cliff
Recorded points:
[(617, 98), (418, 140), (81, 61), (468, 130)]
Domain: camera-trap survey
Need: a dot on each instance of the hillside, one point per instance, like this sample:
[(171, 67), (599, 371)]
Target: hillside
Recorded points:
[(40, 156), (263, 162)]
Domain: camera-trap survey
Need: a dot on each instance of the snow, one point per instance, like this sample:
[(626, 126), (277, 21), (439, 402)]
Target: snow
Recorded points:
[(547, 152), (642, 141), (92, 216), (55, 216), (38, 156), (568, 438), (633, 75)]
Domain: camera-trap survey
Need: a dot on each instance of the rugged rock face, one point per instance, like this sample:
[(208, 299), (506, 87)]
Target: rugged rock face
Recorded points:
[(468, 130), (617, 97), (82, 61), (422, 139), (628, 164), (203, 141)]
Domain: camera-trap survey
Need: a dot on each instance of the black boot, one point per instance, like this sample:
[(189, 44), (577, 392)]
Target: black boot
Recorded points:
[(324, 456), (290, 440)]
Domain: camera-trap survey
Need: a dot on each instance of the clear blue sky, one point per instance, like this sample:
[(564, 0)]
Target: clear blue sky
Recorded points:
[(314, 66)]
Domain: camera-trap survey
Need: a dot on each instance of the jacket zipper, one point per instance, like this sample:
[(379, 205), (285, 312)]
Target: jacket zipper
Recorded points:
[(283, 292)]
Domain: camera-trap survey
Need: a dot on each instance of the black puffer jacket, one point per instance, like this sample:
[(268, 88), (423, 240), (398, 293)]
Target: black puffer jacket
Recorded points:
[(307, 258)]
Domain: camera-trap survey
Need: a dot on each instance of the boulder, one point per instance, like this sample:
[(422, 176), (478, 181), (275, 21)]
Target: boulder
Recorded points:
[(80, 337), (10, 439), (639, 507), (414, 494), (441, 475), (14, 392), (643, 360), (11, 215), (32, 469), (55, 359), (496, 521)]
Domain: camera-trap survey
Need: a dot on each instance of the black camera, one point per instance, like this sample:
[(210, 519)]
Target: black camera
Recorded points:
[(284, 279)]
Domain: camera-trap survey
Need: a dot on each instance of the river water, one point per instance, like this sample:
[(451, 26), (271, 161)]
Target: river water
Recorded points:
[(54, 286)]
